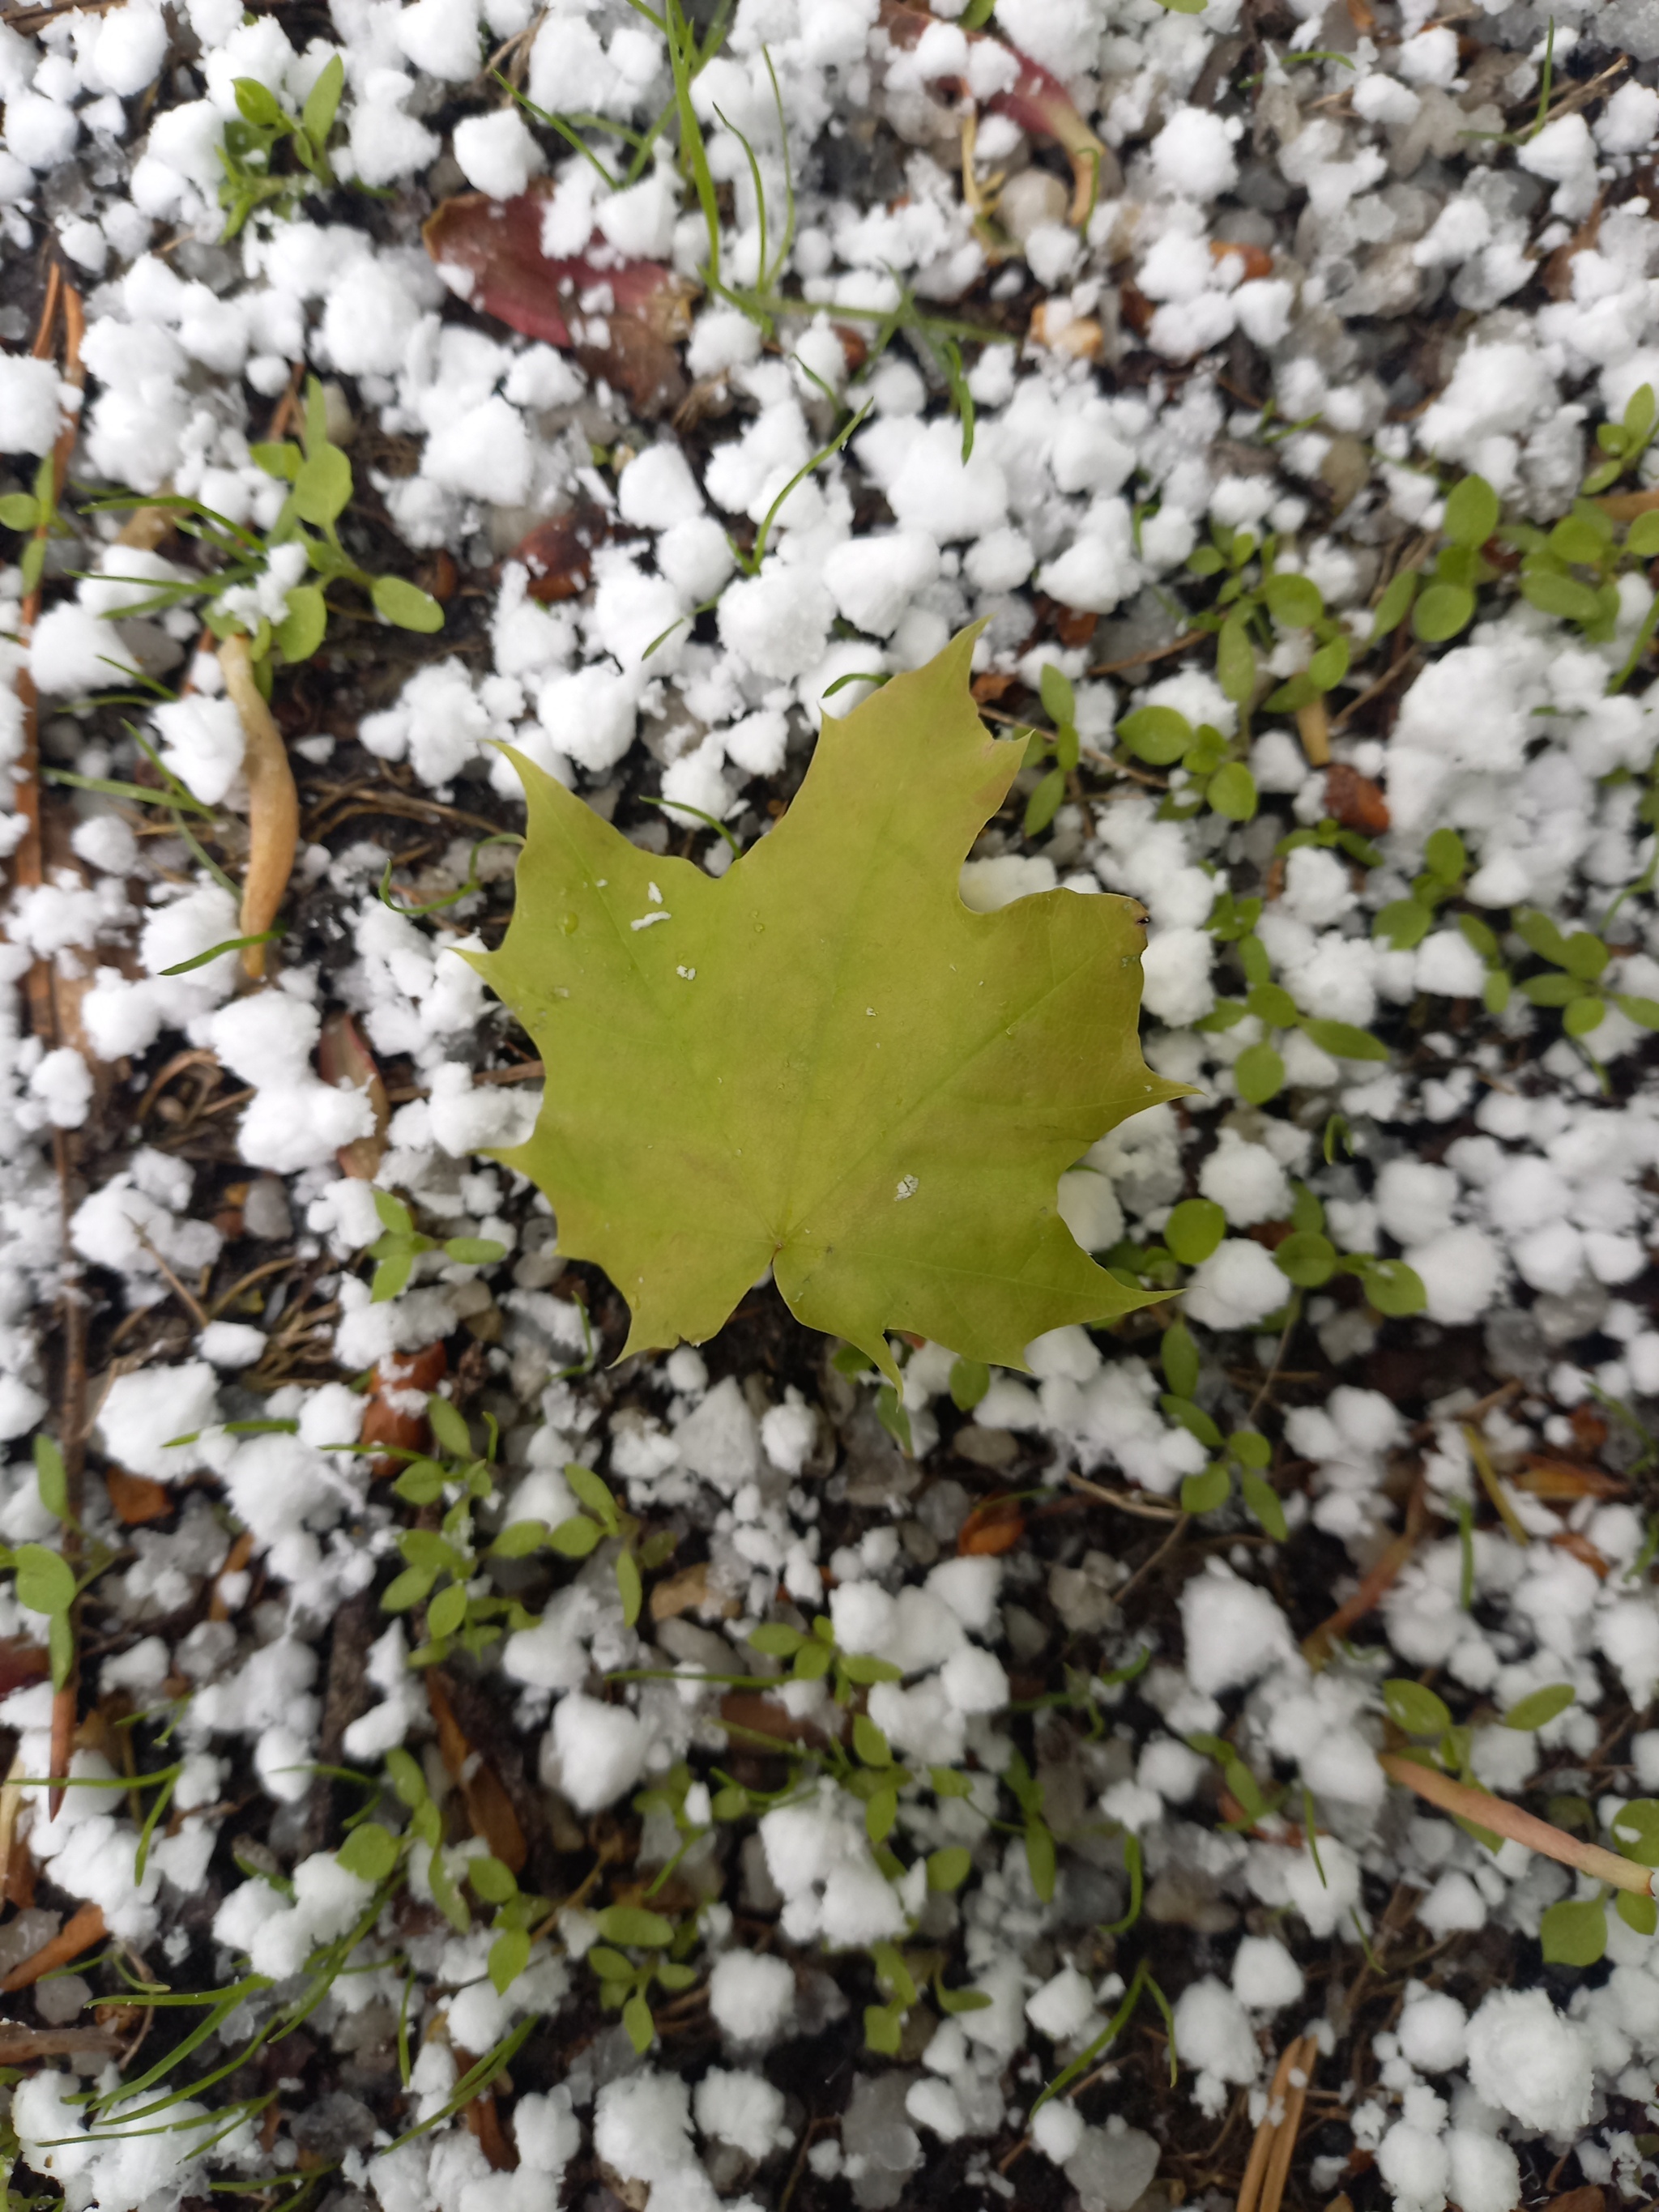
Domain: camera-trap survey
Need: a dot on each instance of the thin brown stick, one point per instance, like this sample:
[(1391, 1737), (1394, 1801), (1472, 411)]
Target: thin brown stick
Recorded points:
[(85, 1928), (1249, 2189), (1316, 1647), (1391, 675), (1467, 1804), (1493, 1488), (1313, 726), (1142, 1508), (1304, 2053), (1161, 652), (273, 803)]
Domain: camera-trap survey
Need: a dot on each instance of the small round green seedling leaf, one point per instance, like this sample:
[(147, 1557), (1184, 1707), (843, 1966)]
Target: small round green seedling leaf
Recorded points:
[(1395, 602), (258, 104), (1045, 802), (611, 1966), (1541, 1707), (370, 1852), (1641, 1913), (1472, 512), (1178, 1354), (883, 2027), (1329, 665), (1395, 1289), (406, 1777), (422, 1483), (1235, 660), (633, 1925), (1194, 1230), (1204, 1491), (473, 1251), (1294, 602), (880, 1812), (1404, 923), (1445, 855), (492, 1880), (1416, 1711), (1583, 1014), (1642, 540), (1250, 1448), (18, 511), (777, 1637), (446, 1614), (590, 1490), (1635, 1830), (519, 1539), (1157, 735), (322, 489), (1642, 1011), (1263, 1501), (45, 1581), (629, 1588), (1308, 1258), (405, 605), (969, 1380), (1574, 1933), (509, 1954), (871, 1745), (1343, 1040), (637, 2020), (1259, 1073), (1553, 594), (1441, 611), (1231, 791), (1585, 956), (575, 1539), (949, 1868), (1054, 690), (448, 1427)]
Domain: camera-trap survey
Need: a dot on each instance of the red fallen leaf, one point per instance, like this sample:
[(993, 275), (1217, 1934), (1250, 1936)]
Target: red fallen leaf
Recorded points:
[(1355, 800), (621, 319), (559, 553), (1036, 101), (391, 1418), (995, 1527), (342, 1057)]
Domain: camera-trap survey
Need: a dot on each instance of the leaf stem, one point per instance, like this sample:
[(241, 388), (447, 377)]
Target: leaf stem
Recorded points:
[(1465, 1802)]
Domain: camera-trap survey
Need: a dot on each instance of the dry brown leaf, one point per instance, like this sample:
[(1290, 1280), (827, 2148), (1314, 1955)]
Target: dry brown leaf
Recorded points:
[(489, 1807), (688, 1592), (342, 1057), (273, 803), (134, 1498)]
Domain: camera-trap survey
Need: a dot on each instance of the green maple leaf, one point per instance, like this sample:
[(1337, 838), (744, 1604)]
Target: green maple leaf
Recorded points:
[(822, 1061)]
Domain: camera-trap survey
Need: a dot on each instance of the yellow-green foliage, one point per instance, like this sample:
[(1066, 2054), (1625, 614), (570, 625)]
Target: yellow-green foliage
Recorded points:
[(823, 1063)]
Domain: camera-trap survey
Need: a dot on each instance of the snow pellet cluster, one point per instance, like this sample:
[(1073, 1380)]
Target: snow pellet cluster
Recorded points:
[(1136, 316)]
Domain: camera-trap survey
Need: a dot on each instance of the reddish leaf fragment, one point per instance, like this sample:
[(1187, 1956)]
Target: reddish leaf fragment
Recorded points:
[(397, 1404), (1036, 101), (621, 319), (21, 1664), (559, 553), (995, 1527), (342, 1057), (1355, 801)]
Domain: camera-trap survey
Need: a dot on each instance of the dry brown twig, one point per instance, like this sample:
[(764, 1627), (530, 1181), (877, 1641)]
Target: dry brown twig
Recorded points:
[(273, 803)]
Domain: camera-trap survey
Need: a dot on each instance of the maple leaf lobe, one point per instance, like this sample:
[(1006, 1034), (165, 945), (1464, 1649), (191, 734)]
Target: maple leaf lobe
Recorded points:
[(822, 1061)]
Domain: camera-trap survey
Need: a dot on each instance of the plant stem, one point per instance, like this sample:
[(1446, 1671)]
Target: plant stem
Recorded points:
[(1466, 1803)]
